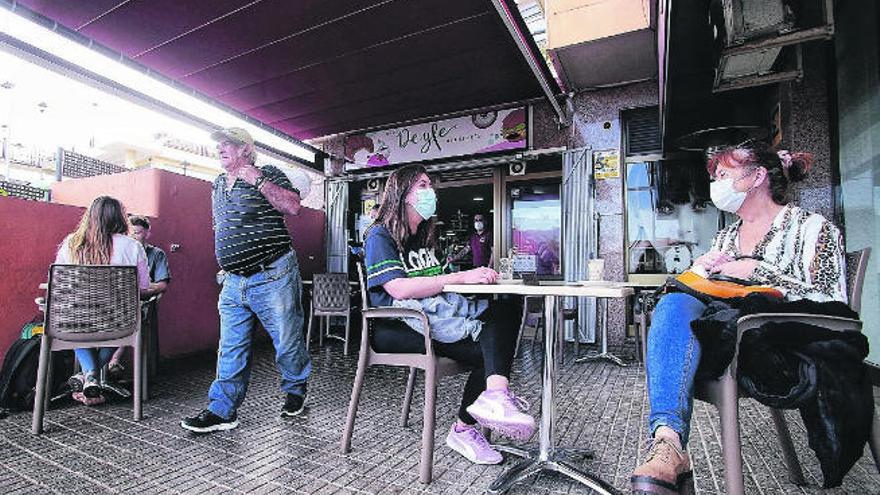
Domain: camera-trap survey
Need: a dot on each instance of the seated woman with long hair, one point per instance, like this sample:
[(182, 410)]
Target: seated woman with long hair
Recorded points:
[(100, 239), (403, 269), (774, 243)]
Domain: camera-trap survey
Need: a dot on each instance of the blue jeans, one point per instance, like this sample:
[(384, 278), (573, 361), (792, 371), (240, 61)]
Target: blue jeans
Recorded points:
[(92, 359), (272, 296), (672, 360)]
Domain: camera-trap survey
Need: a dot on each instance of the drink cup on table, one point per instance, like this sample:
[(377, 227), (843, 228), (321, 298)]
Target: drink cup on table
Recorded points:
[(505, 269)]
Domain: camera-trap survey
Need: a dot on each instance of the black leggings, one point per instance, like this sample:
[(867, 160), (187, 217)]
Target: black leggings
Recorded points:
[(491, 355)]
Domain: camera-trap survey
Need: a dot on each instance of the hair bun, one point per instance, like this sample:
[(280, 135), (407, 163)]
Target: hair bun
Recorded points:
[(800, 166)]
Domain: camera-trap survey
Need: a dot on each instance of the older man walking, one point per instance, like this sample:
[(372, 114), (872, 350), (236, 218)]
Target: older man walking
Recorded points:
[(253, 246)]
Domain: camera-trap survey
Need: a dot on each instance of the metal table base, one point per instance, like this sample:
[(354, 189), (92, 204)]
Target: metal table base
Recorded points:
[(546, 457), (604, 354)]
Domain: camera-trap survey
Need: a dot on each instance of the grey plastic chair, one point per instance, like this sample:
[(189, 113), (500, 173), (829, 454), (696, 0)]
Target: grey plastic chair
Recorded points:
[(434, 367), (724, 392), (331, 296), (532, 317), (89, 306)]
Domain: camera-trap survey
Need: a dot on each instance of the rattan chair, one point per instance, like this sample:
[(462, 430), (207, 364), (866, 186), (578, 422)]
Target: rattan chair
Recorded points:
[(533, 317), (89, 306), (434, 367), (724, 392), (331, 296)]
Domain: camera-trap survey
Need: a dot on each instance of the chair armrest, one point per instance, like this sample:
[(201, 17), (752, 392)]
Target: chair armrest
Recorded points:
[(750, 322), (389, 312)]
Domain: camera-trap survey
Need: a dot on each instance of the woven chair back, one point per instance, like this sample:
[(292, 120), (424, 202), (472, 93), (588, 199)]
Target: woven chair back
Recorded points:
[(856, 267), (330, 292), (92, 302)]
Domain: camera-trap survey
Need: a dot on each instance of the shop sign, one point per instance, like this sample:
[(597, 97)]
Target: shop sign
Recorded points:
[(474, 134), (606, 164)]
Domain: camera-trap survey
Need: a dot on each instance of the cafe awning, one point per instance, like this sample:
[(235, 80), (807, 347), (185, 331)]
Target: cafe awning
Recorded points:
[(311, 68)]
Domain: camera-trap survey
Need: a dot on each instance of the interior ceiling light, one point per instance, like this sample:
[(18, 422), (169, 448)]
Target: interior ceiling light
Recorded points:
[(78, 54)]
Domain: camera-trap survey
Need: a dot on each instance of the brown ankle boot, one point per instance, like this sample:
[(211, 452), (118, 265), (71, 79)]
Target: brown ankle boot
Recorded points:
[(666, 471)]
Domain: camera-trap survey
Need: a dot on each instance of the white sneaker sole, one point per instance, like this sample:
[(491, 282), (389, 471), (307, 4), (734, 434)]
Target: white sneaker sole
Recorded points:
[(210, 429), (292, 414), (516, 430), (467, 454)]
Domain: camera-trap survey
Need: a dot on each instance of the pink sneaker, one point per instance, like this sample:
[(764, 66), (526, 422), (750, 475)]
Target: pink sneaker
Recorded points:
[(469, 442), (503, 412)]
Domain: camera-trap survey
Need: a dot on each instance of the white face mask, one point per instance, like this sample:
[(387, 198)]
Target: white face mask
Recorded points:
[(479, 226), (725, 196)]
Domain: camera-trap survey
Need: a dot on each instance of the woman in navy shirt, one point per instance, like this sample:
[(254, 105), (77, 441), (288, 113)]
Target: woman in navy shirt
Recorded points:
[(403, 270)]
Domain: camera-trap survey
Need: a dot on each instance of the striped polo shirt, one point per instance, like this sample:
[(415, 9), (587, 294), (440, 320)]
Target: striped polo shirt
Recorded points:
[(248, 231)]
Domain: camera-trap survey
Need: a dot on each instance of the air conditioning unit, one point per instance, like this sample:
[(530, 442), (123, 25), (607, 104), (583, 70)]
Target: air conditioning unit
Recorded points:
[(518, 168), (373, 185), (758, 41)]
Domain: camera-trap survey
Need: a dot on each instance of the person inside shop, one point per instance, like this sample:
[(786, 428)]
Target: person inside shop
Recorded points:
[(479, 244), (160, 277), (100, 239), (403, 270), (774, 243)]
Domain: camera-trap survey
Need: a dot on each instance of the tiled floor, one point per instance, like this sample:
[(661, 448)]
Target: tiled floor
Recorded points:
[(599, 405)]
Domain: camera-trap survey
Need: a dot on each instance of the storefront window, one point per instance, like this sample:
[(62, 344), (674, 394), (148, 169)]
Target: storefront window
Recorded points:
[(858, 101), (670, 218), (536, 221)]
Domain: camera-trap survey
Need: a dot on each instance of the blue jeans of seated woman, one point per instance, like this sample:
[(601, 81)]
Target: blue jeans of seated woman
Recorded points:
[(672, 360), (91, 360)]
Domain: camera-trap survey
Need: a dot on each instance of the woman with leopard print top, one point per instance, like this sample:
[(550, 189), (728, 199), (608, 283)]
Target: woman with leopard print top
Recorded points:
[(801, 255), (774, 243)]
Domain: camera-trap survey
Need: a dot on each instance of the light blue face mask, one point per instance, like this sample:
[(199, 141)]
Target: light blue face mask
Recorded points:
[(426, 203)]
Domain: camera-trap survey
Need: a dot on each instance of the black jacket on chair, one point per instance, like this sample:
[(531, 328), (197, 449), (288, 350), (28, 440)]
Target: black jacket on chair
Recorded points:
[(797, 366)]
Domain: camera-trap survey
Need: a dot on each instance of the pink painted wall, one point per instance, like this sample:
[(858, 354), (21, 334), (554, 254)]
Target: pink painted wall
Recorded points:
[(30, 232), (180, 210)]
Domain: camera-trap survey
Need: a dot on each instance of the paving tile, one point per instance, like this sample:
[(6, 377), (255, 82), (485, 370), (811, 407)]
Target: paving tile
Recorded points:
[(600, 406)]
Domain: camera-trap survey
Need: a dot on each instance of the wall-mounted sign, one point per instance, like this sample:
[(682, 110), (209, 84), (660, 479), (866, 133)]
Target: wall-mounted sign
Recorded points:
[(368, 205), (474, 134), (606, 164)]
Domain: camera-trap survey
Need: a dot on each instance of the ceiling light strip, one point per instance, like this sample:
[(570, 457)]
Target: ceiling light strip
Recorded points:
[(48, 36)]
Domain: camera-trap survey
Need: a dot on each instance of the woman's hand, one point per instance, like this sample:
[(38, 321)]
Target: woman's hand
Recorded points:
[(738, 269), (712, 259), (481, 275)]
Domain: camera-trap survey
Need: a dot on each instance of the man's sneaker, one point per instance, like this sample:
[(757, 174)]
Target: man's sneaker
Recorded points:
[(468, 441), (207, 422), (666, 471), (76, 382), (90, 387), (503, 412), (293, 405)]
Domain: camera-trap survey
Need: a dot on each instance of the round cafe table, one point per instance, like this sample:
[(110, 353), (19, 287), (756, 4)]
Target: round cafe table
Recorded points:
[(546, 456)]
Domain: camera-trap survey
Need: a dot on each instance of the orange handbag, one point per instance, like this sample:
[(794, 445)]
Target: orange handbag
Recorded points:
[(723, 287)]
